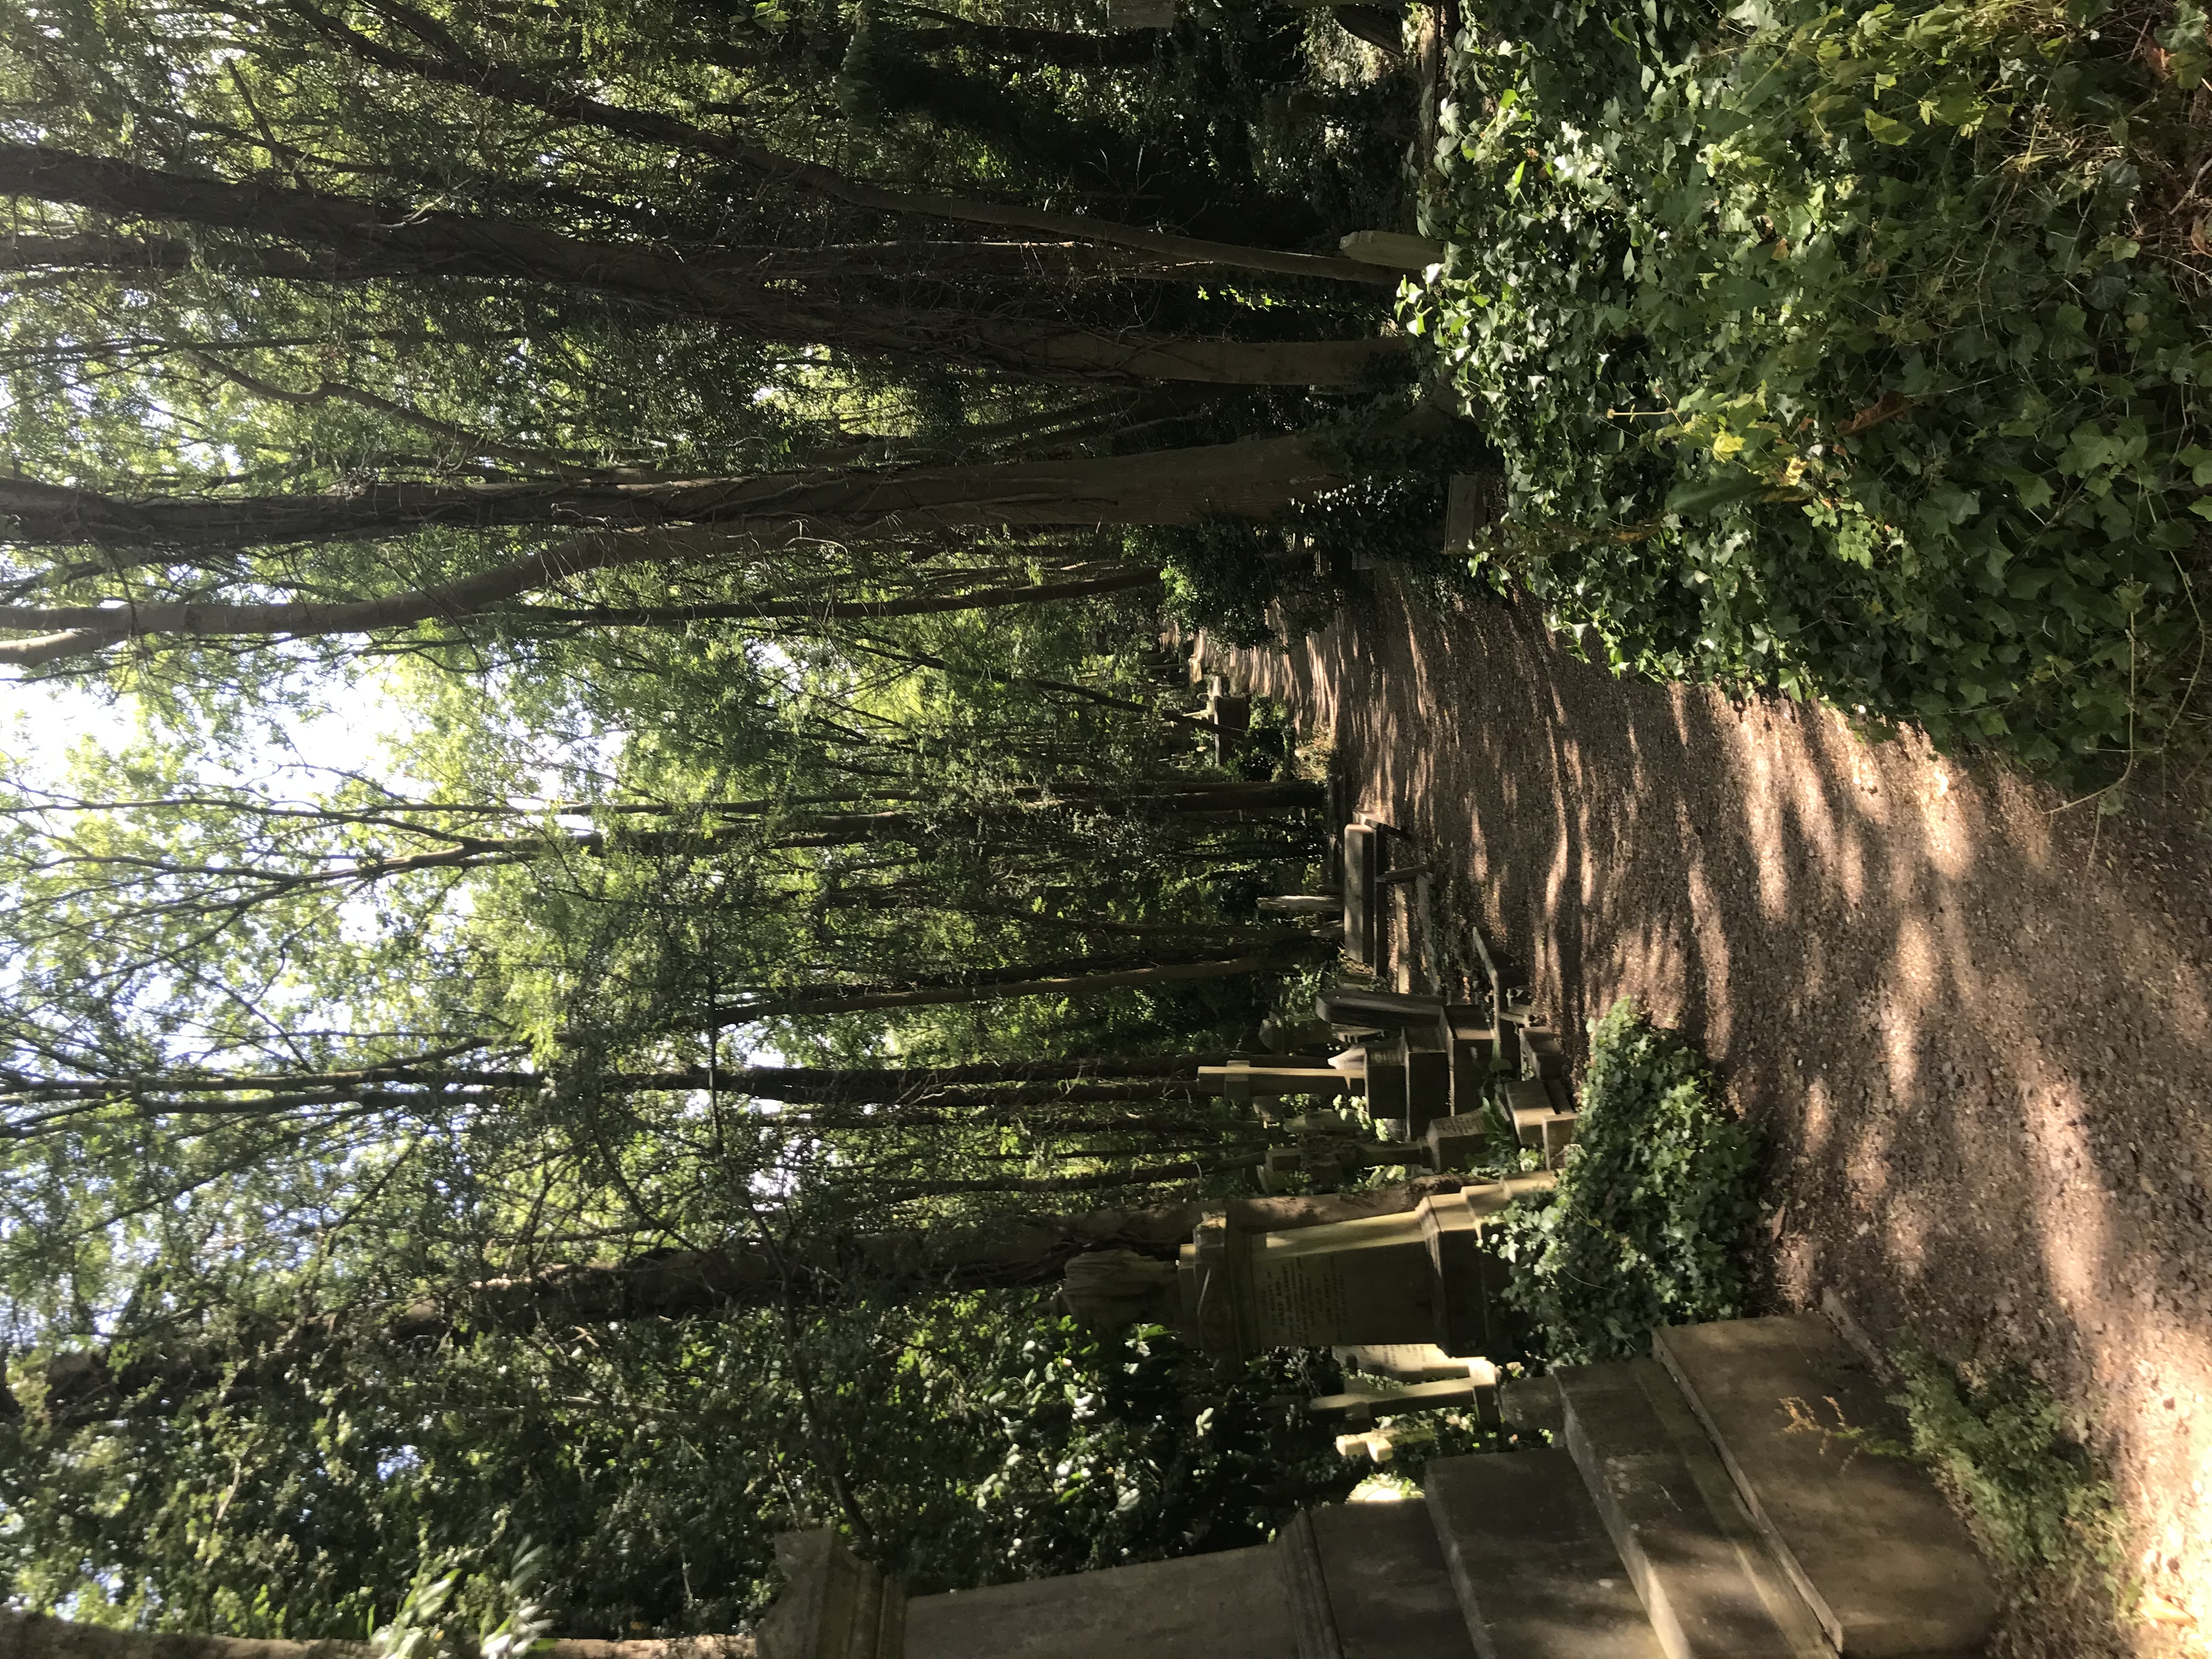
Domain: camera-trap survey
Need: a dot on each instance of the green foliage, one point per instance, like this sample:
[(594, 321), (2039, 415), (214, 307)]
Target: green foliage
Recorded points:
[(1994, 1436), (1827, 354), (1128, 1447), (1647, 1225), (1244, 581), (423, 1627), (978, 1438)]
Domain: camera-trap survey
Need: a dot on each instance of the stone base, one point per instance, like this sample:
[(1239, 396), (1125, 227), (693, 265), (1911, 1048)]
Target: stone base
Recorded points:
[(1810, 1438), (1636, 1539)]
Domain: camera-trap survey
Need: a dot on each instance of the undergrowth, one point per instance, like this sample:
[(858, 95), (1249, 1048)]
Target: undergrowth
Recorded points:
[(1825, 354), (1647, 1225), (1994, 1437)]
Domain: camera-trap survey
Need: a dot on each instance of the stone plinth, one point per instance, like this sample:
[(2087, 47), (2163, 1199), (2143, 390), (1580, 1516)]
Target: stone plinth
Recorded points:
[(837, 1607), (1867, 1542), (1419, 1277)]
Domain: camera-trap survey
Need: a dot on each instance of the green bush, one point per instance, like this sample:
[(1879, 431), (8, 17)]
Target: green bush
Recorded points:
[(1994, 1437), (1825, 354), (1647, 1225)]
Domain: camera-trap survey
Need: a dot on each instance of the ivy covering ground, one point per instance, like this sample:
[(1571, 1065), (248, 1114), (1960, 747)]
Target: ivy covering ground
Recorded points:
[(1647, 1225), (1825, 353)]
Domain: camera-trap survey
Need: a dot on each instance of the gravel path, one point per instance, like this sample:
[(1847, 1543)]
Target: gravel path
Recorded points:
[(1975, 1024)]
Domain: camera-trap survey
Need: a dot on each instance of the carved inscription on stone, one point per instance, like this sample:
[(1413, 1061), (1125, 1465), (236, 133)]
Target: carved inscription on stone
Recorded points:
[(1300, 1301)]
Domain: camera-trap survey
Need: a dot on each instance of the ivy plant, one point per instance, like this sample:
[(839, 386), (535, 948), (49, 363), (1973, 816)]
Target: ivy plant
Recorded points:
[(1827, 352), (1647, 1225)]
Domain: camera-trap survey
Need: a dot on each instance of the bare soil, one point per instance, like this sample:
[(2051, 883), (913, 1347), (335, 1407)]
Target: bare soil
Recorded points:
[(1973, 1021)]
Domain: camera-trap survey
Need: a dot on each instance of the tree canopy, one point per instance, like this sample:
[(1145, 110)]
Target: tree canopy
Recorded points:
[(659, 885)]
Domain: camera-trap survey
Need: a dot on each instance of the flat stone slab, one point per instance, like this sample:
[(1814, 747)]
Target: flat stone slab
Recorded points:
[(1531, 1405), (1389, 1594), (1229, 1605), (1887, 1567), (1708, 1585), (1537, 1575)]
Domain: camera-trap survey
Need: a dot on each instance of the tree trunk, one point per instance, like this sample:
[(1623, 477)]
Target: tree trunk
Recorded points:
[(357, 240), (862, 999), (989, 599), (1187, 1168), (1254, 478), (832, 1086), (35, 1636), (1010, 1252)]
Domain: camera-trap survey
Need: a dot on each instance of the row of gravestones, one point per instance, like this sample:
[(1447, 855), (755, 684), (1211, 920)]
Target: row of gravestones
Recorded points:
[(1417, 1292), (1731, 1497)]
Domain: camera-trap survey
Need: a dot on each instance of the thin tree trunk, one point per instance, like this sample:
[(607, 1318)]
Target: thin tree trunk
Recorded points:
[(862, 1002), (361, 239), (989, 599), (456, 66), (827, 1085), (1188, 1169)]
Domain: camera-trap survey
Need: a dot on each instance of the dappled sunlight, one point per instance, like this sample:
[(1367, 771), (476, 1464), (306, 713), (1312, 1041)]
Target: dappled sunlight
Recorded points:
[(1975, 1028)]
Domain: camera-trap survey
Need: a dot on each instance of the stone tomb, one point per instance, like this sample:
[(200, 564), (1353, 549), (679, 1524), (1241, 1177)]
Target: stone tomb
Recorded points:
[(1418, 1277), (1687, 1515)]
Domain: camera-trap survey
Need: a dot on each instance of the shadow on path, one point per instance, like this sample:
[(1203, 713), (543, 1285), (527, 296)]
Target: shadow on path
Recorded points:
[(1975, 1028)]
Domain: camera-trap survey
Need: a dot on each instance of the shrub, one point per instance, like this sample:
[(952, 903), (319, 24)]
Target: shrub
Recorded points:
[(1994, 1437), (1647, 1224), (1824, 354)]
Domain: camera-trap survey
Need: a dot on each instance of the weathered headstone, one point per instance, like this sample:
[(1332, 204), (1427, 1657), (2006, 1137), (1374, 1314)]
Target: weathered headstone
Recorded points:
[(1458, 1142), (1418, 1277), (1363, 909)]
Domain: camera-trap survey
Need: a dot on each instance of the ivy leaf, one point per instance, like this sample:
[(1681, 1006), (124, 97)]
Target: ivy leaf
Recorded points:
[(1696, 497)]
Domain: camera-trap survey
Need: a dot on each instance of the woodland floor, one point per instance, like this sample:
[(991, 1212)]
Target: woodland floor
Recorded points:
[(1975, 1028)]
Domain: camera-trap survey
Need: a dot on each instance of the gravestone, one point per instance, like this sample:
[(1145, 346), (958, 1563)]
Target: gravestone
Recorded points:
[(1409, 1362), (1418, 1277), (1363, 908), (1242, 1081)]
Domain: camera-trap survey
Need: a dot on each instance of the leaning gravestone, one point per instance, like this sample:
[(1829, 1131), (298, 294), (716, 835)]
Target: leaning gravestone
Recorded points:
[(1413, 1277)]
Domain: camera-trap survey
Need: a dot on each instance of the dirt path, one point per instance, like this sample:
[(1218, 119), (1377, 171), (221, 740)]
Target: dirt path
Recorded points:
[(1977, 1029)]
